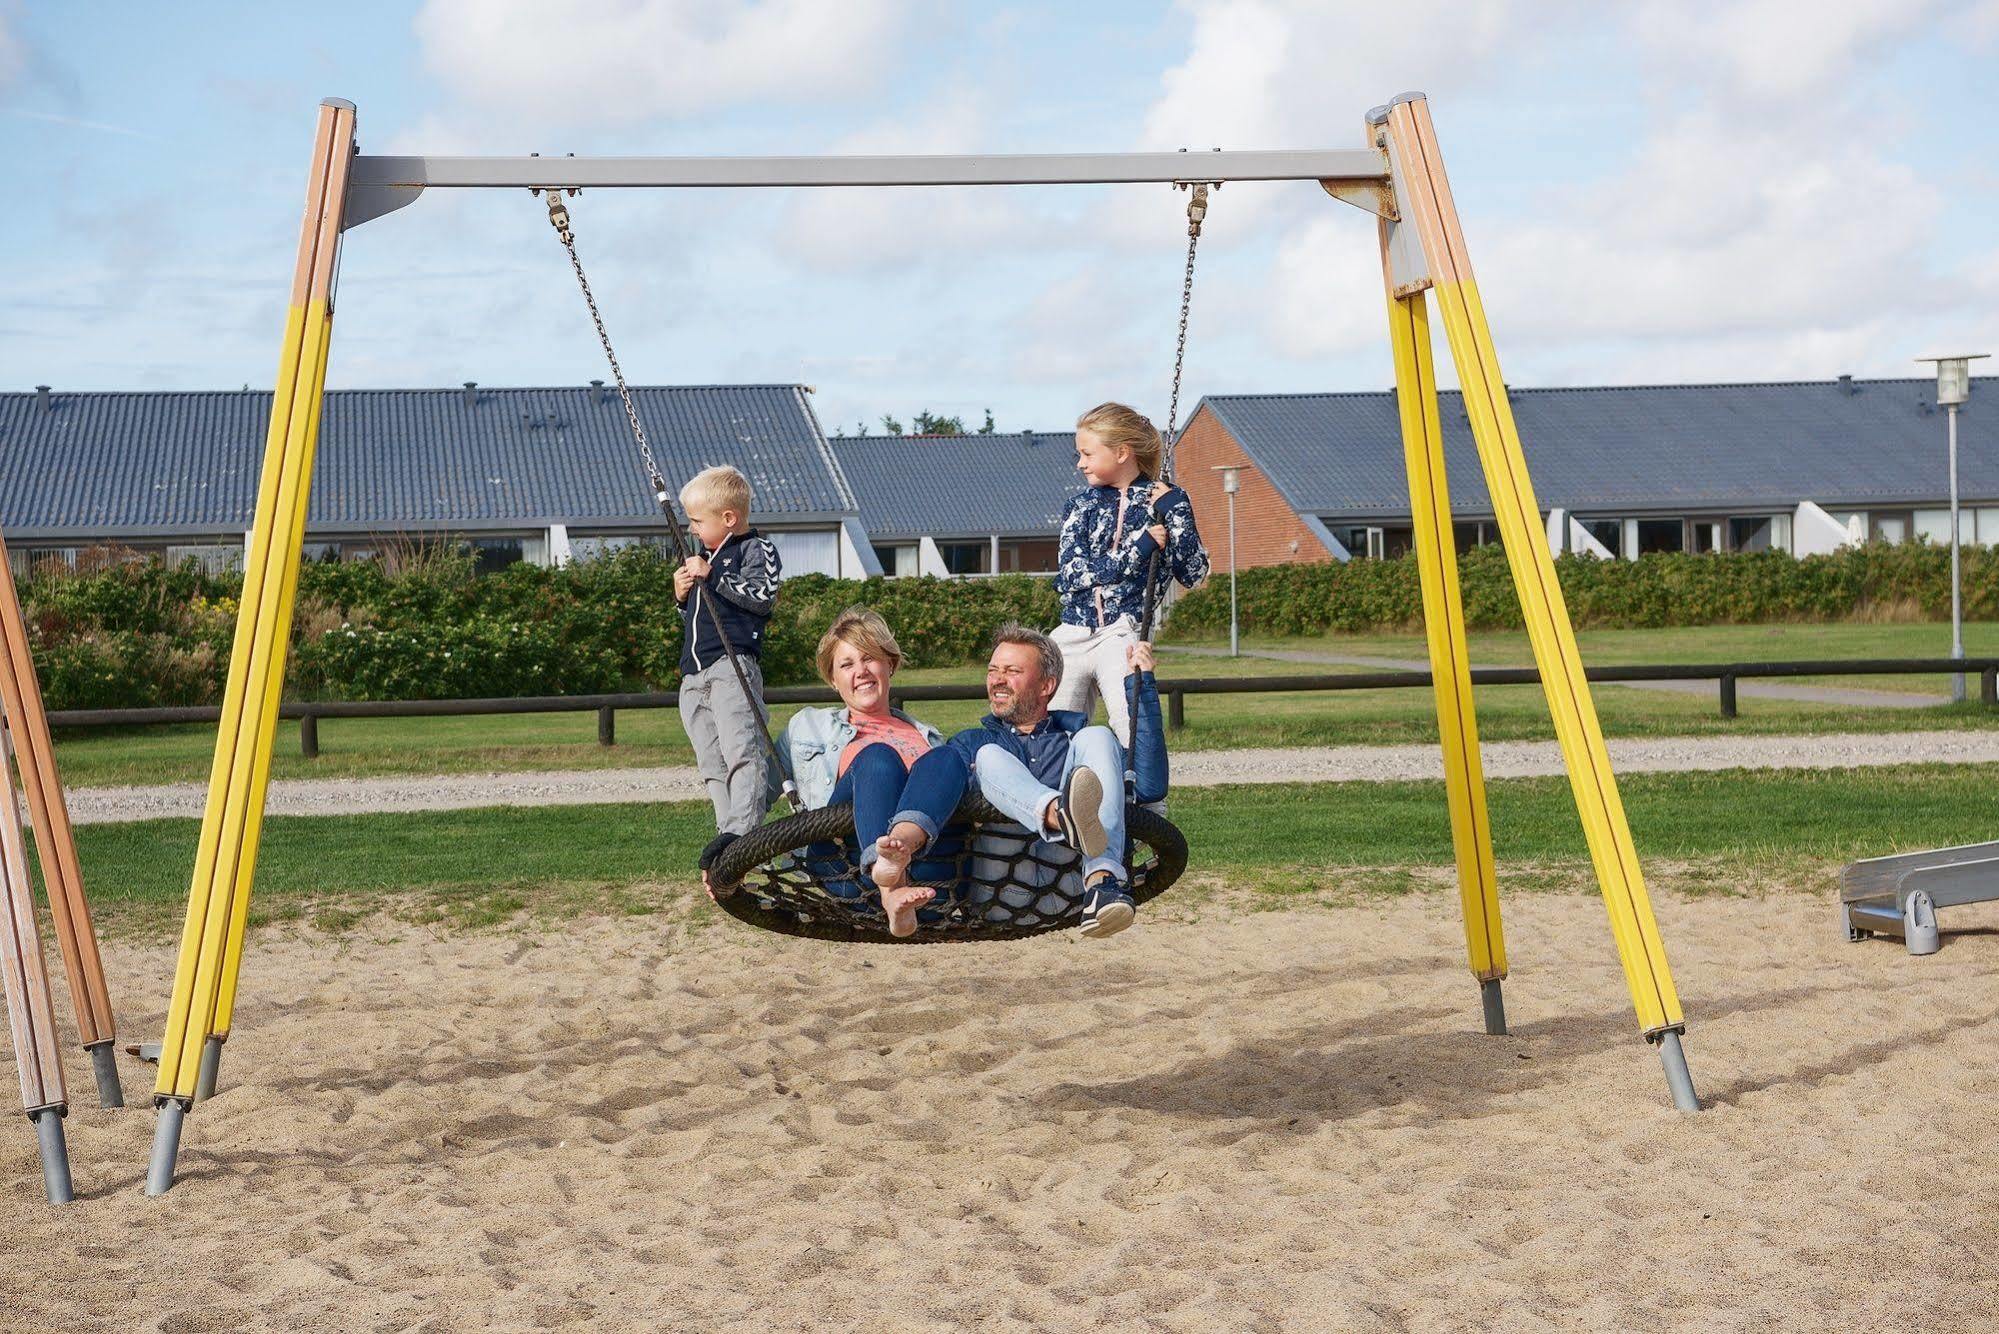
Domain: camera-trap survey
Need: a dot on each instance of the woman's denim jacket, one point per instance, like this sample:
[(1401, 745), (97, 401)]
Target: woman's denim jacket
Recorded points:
[(810, 747)]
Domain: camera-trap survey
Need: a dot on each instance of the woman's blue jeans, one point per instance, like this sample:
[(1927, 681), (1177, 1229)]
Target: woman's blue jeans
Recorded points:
[(885, 794)]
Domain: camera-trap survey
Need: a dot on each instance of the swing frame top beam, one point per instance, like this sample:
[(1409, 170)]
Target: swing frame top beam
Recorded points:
[(1357, 166), (382, 183)]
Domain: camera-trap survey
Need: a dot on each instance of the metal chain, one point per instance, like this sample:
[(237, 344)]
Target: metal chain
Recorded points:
[(1197, 212), (1155, 573), (558, 216)]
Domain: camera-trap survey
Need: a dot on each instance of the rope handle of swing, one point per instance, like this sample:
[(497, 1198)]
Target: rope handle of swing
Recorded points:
[(558, 217)]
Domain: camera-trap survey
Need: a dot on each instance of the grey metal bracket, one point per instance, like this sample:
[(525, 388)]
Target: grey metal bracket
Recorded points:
[(1368, 196), (367, 202), (1408, 267)]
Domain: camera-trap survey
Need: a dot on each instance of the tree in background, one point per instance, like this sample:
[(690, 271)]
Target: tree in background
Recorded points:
[(923, 423)]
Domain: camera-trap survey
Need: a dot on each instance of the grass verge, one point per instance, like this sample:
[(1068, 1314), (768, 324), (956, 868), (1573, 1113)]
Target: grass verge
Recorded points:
[(1728, 832)]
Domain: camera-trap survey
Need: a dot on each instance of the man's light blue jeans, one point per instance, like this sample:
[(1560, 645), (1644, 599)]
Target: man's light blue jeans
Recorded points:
[(1007, 784)]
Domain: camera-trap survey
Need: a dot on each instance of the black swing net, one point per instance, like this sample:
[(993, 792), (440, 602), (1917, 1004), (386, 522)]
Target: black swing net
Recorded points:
[(995, 880)]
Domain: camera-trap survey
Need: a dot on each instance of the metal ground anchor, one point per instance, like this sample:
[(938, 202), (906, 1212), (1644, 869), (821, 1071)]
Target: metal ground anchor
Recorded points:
[(104, 1064), (211, 1066), (55, 1154), (166, 1147), (1677, 1076), (1494, 1002)]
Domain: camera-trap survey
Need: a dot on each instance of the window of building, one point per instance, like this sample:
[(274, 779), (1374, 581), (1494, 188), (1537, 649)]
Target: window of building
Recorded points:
[(1608, 532), (1368, 542), (603, 544), (964, 557), (1028, 556), (1661, 535), (899, 560), (810, 552), (1888, 527), (1706, 535), (1749, 534), (212, 558), (1934, 526), (491, 554), (1988, 526)]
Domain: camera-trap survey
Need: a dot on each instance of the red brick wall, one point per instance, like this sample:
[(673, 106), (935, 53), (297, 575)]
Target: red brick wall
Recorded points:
[(1267, 531)]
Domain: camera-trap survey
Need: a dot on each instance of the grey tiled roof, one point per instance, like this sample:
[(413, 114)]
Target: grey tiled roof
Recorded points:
[(159, 463), (1667, 448), (1013, 484)]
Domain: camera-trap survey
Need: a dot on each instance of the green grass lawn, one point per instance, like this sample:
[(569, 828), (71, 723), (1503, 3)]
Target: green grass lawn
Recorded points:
[(359, 747), (476, 867), (1713, 643)]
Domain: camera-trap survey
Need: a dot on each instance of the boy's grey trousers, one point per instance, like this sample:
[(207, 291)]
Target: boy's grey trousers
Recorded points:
[(728, 744)]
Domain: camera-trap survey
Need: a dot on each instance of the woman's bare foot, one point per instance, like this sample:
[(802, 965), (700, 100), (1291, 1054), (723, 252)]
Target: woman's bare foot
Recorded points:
[(901, 905), (894, 851)]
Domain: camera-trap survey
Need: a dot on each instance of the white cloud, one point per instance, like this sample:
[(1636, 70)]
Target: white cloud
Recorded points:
[(1773, 50), (1299, 73), (1761, 227), (567, 63)]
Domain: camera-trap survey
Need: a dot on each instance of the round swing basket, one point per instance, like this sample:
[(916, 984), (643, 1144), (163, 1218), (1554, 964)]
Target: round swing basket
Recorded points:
[(800, 876)]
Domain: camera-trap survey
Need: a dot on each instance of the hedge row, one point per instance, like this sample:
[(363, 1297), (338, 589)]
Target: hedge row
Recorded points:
[(140, 634), (1876, 581)]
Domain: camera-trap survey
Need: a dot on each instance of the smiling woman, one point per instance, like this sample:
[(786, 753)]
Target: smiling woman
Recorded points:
[(902, 782)]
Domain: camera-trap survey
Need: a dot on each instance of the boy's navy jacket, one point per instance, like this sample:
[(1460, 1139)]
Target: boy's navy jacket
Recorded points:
[(1046, 748), (742, 584), (1090, 562)]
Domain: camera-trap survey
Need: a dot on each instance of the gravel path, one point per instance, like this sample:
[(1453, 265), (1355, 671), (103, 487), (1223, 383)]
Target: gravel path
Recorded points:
[(1844, 696), (1321, 764)]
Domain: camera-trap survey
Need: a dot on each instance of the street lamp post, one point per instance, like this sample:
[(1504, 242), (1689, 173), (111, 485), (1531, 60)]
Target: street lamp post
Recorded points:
[(1231, 483), (1953, 388)]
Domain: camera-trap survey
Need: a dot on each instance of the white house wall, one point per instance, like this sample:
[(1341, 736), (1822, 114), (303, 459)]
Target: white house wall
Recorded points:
[(1814, 532)]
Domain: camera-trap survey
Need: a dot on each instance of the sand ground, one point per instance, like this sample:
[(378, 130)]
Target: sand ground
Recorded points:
[(1236, 1120)]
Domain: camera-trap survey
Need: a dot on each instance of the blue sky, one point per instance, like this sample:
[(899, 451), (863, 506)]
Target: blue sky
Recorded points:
[(1656, 191)]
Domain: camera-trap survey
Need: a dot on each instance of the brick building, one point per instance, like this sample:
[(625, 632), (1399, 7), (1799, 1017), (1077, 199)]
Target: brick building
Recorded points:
[(1798, 467)]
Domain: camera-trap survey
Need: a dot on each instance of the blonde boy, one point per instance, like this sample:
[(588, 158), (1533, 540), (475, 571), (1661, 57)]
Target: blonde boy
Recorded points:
[(734, 582)]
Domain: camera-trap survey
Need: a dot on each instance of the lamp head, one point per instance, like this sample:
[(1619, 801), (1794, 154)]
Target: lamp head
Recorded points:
[(1954, 377)]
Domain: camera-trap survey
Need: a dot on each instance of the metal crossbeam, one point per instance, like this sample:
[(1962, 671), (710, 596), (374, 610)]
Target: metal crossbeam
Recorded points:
[(1350, 165)]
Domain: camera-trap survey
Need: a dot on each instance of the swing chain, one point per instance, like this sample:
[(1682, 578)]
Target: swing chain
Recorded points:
[(558, 217), (1197, 213)]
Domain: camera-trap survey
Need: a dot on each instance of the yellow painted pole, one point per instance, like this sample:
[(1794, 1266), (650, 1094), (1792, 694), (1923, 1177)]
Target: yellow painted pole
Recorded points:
[(225, 857), (1444, 625), (307, 411), (1406, 127)]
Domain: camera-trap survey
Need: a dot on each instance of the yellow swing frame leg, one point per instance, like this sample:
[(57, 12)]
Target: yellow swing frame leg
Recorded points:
[(1423, 198), (1450, 662), (203, 999)]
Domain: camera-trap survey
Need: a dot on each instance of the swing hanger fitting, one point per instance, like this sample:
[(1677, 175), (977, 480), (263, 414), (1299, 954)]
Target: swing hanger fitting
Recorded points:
[(1197, 205)]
